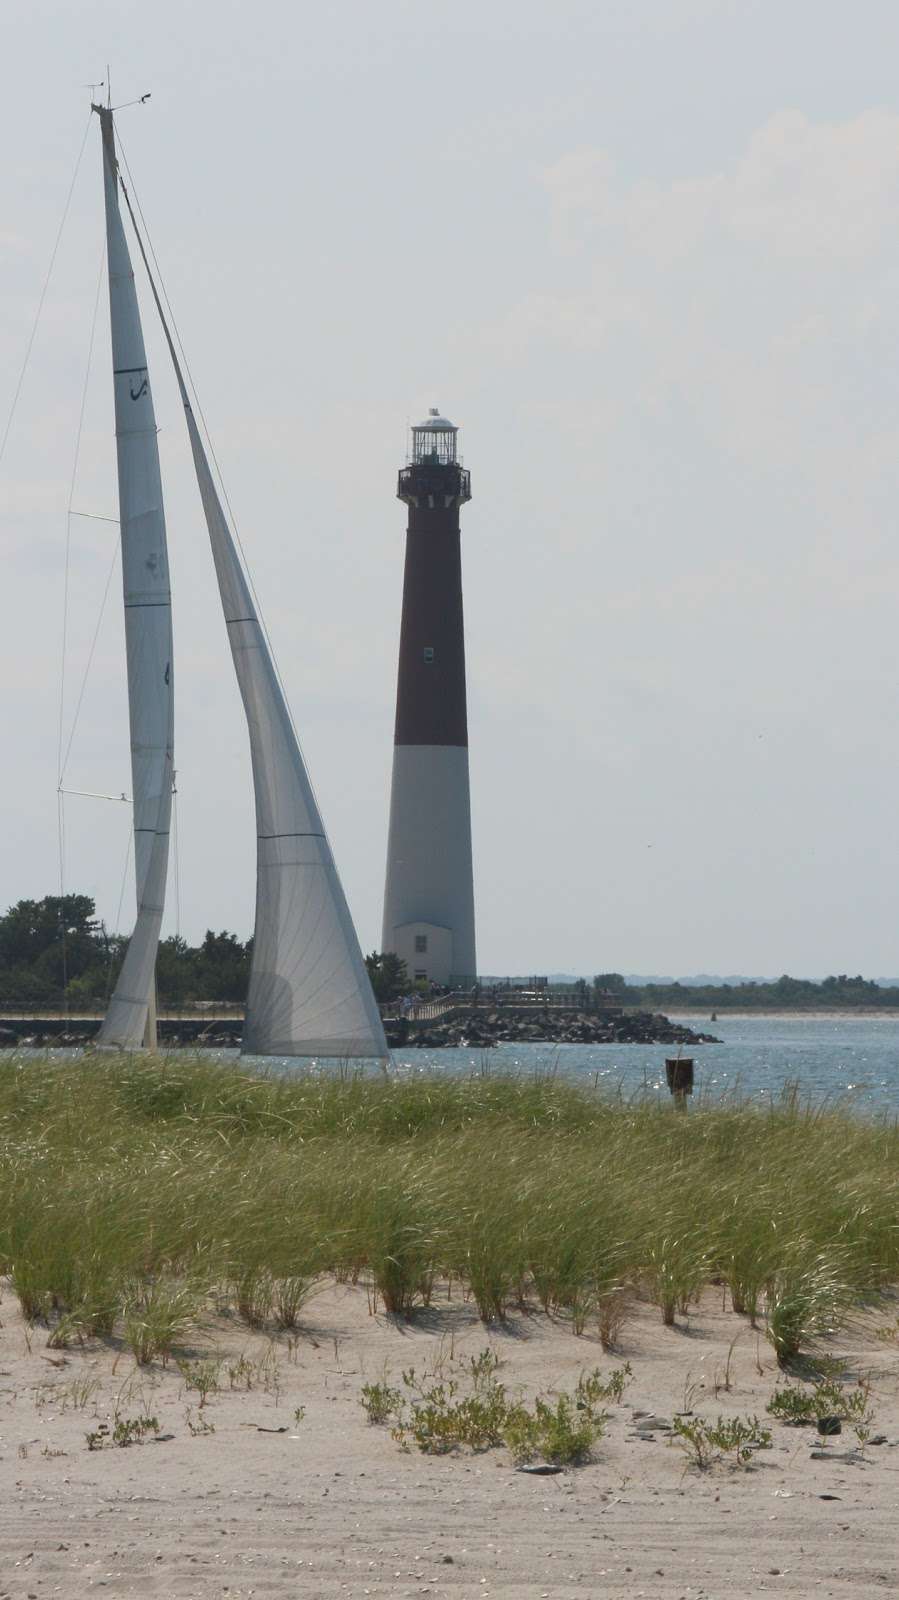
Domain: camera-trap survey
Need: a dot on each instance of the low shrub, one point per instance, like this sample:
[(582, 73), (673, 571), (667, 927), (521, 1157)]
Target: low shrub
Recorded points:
[(704, 1442), (438, 1418), (380, 1402)]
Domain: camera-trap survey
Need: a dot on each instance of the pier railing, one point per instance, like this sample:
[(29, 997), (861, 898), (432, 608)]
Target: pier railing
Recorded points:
[(500, 999), (414, 1007)]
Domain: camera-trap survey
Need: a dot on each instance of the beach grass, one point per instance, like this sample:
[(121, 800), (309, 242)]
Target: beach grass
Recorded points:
[(138, 1194)]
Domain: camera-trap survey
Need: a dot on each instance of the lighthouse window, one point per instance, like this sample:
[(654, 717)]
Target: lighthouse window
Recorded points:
[(429, 652), (421, 944)]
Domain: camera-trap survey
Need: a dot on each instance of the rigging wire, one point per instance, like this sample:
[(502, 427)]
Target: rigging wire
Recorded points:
[(118, 916), (60, 764), (68, 550), (43, 296), (64, 762), (177, 855), (200, 413)]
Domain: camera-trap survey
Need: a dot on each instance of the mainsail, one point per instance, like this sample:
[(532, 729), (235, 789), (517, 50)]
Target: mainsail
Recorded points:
[(148, 623), (309, 992)]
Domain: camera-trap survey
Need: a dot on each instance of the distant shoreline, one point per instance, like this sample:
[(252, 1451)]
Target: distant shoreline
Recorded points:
[(786, 1013)]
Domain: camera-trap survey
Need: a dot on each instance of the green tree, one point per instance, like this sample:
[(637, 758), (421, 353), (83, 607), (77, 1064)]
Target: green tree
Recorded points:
[(389, 975), (176, 971), (611, 983), (221, 968), (43, 943)]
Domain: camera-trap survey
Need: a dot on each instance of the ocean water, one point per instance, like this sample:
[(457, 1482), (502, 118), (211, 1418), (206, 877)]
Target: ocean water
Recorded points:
[(829, 1058), (850, 1059)]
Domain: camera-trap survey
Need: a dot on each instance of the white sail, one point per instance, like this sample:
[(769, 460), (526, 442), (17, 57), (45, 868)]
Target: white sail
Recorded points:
[(148, 622), (309, 993)]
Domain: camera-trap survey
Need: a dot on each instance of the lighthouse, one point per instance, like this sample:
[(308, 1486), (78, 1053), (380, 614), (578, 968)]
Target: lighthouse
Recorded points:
[(429, 892)]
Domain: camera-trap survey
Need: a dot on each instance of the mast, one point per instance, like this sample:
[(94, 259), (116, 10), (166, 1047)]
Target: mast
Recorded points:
[(309, 992), (131, 1016)]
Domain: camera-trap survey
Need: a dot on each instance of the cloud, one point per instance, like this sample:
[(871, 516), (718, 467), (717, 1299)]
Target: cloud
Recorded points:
[(751, 314), (822, 192)]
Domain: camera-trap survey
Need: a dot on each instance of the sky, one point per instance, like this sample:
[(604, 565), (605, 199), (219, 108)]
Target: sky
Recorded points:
[(646, 255)]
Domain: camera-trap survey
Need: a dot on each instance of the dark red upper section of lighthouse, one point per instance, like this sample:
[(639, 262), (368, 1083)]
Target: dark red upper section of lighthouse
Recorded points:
[(430, 699)]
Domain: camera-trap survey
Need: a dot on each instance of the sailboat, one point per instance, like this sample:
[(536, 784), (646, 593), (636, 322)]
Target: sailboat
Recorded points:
[(309, 992)]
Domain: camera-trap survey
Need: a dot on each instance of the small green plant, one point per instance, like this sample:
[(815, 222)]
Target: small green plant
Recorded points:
[(132, 1430), (563, 1434), (739, 1437), (483, 1367), (198, 1425), (269, 1371), (438, 1422), (592, 1387), (688, 1397), (380, 1403), (79, 1393), (202, 1376), (299, 1414), (241, 1373), (692, 1435), (730, 1436), (792, 1405), (125, 1431), (47, 1394), (723, 1379), (437, 1419), (802, 1407)]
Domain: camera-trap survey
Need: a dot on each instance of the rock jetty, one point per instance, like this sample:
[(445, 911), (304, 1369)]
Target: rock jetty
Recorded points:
[(482, 1029), (478, 1027)]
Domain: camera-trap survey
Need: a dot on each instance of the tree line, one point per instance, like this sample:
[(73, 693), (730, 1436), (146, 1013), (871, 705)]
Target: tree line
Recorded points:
[(56, 952), (780, 994)]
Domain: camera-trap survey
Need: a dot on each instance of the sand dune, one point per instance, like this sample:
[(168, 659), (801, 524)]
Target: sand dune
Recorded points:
[(332, 1507)]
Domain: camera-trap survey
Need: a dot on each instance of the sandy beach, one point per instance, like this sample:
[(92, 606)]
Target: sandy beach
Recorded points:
[(295, 1493)]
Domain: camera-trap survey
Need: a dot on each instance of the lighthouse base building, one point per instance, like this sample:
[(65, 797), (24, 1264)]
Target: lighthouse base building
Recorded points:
[(429, 891)]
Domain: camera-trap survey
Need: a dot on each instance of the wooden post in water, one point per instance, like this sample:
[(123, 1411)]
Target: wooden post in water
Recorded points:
[(679, 1072)]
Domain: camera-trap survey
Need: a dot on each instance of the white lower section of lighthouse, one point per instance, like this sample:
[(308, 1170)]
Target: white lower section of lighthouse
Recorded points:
[(429, 895)]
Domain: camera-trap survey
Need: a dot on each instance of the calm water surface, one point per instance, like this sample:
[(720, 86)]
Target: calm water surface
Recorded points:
[(839, 1057), (830, 1058)]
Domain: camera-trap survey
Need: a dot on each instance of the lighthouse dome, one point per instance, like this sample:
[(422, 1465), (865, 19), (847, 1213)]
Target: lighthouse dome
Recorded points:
[(435, 423)]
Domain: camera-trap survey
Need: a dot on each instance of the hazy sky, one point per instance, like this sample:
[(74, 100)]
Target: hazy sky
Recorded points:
[(647, 256)]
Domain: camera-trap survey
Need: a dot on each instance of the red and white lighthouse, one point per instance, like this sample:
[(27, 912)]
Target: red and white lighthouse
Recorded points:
[(429, 892)]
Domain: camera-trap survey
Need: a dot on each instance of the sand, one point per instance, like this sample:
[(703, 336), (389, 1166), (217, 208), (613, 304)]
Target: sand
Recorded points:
[(332, 1507)]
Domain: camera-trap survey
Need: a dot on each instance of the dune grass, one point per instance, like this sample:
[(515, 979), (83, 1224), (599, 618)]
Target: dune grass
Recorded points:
[(134, 1194)]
